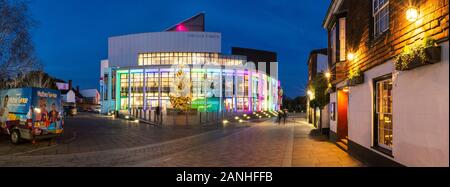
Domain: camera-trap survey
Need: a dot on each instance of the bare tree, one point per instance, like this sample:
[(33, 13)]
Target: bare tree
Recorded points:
[(17, 53)]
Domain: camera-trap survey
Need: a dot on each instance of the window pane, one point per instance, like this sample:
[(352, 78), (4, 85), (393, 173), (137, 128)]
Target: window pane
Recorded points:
[(384, 113)]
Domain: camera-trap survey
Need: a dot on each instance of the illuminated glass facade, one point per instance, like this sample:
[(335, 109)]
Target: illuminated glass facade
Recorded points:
[(237, 90), (190, 59)]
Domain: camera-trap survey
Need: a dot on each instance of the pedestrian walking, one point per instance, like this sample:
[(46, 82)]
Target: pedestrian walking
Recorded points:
[(157, 113), (285, 115), (280, 115)]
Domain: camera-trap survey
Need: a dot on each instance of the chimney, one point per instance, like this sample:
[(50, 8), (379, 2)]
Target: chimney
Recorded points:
[(70, 84), (78, 89)]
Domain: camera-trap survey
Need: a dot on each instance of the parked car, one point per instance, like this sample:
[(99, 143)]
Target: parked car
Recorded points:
[(97, 109), (70, 111), (31, 114)]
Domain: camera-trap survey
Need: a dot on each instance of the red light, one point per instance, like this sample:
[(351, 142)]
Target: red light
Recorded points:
[(181, 28)]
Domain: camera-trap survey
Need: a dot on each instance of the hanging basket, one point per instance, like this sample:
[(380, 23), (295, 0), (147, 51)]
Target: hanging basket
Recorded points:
[(432, 56), (356, 80)]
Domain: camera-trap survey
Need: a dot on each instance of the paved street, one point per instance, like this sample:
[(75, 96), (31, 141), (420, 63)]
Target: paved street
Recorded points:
[(89, 132), (264, 144)]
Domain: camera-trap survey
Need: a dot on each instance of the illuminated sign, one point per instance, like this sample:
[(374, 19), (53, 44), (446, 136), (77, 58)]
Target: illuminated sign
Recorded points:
[(211, 104), (46, 94)]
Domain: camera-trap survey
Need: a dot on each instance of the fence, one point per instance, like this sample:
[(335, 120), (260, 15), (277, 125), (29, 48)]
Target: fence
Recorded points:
[(174, 118)]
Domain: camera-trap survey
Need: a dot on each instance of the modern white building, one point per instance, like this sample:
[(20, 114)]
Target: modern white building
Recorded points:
[(140, 72)]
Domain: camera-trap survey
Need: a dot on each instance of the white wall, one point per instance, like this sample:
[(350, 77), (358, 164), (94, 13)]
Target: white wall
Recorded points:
[(420, 113), (360, 106), (274, 70), (333, 124), (262, 68), (69, 97), (123, 50), (325, 117), (421, 121)]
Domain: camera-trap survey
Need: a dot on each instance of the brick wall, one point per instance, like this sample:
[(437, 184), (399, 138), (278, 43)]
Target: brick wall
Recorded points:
[(369, 51)]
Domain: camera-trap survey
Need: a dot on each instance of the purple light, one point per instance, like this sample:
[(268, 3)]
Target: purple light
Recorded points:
[(181, 28)]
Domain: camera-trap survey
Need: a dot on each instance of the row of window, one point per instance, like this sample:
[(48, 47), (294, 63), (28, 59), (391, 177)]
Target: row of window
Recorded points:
[(189, 59), (201, 87), (380, 15)]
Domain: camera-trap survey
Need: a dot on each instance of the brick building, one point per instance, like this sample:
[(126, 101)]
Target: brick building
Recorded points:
[(390, 76), (318, 65)]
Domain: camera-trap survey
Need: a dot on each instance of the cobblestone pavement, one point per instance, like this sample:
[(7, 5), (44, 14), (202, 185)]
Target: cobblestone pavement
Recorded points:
[(265, 145)]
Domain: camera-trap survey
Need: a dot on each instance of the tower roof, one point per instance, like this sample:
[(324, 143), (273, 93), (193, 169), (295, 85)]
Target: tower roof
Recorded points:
[(193, 24)]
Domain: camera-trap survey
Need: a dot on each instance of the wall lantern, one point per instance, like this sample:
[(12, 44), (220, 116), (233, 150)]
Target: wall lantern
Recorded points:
[(412, 14), (350, 56), (328, 75)]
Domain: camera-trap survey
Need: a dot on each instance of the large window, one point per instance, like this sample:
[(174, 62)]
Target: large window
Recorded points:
[(342, 46), (380, 16), (198, 78), (152, 89), (383, 114), (137, 90), (124, 91), (189, 58), (333, 44)]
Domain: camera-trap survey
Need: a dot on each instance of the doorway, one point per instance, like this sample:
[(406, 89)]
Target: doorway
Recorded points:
[(342, 123)]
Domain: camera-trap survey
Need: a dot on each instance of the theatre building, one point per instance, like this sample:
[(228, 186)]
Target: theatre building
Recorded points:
[(140, 72), (390, 78)]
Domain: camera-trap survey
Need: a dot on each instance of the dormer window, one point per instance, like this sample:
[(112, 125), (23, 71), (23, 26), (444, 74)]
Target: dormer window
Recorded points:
[(380, 16)]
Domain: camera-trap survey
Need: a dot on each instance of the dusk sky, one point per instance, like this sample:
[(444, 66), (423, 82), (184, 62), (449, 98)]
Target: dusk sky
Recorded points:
[(71, 37)]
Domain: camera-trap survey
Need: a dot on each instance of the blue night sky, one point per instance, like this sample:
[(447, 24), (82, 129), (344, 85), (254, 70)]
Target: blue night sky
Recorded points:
[(71, 37)]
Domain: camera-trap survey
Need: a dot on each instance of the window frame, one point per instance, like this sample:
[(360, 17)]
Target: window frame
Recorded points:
[(377, 12), (375, 130), (342, 37)]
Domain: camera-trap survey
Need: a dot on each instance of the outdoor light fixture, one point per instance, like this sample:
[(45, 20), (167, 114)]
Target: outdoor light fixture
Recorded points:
[(236, 118), (240, 121), (127, 117), (351, 56), (225, 121), (412, 14), (345, 90), (328, 75), (310, 93)]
